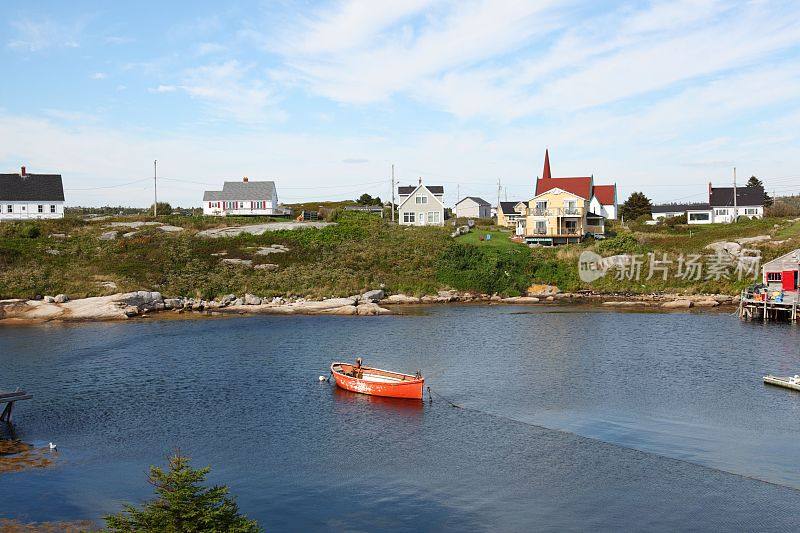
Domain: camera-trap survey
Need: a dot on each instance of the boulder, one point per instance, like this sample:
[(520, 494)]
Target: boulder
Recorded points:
[(372, 296), (131, 311), (706, 303), (53, 252), (401, 299), (173, 303), (61, 298), (238, 301), (238, 262), (227, 299), (341, 310), (678, 304), (250, 299), (49, 300), (170, 229), (542, 290), (521, 300), (721, 247), (371, 309), (267, 266), (108, 236), (58, 235)]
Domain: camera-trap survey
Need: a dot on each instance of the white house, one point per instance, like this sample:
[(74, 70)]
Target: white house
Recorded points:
[(421, 205), (243, 198), (24, 196), (473, 207), (721, 207), (604, 201), (664, 211)]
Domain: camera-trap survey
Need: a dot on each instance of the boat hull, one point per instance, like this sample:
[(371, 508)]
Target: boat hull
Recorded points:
[(410, 388)]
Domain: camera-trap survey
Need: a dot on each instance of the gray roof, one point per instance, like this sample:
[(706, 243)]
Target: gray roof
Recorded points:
[(243, 190), (507, 208), (435, 189), (675, 208), (479, 201), (31, 187), (723, 196)]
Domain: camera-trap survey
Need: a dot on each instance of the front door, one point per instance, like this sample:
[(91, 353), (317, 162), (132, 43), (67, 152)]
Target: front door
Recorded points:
[(789, 280)]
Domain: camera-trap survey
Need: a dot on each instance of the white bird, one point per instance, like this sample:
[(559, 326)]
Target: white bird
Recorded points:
[(53, 446)]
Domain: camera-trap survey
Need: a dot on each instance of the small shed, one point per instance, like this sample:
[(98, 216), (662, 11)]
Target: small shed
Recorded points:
[(306, 216), (782, 273)]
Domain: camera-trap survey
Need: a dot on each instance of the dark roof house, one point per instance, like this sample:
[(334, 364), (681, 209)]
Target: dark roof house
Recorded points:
[(723, 196), (477, 200), (24, 187), (408, 189), (243, 191)]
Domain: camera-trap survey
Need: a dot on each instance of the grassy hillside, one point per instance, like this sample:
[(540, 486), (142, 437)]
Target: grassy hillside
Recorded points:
[(360, 252)]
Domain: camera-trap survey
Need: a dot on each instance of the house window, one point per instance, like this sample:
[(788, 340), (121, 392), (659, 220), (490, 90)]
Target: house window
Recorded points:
[(698, 216), (52, 209), (210, 205), (408, 217), (9, 208), (774, 276), (571, 226), (40, 208), (541, 206), (23, 207), (541, 227), (720, 211), (421, 199), (433, 217), (751, 211)]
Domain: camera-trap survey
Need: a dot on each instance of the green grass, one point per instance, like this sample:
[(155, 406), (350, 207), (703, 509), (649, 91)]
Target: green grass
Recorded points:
[(361, 252), (500, 239)]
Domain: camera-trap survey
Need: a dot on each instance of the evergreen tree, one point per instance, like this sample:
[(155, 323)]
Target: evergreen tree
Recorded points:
[(183, 505), (636, 206), (755, 182), (366, 199)]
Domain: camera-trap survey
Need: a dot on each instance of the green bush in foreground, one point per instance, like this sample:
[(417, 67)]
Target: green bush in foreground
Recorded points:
[(182, 505)]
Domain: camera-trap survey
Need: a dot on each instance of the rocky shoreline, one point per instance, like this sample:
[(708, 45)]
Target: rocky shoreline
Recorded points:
[(142, 304)]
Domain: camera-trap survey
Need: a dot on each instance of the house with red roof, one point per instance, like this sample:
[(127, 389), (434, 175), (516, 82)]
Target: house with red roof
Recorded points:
[(566, 209)]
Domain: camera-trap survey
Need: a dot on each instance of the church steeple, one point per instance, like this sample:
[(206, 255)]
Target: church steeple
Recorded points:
[(546, 171)]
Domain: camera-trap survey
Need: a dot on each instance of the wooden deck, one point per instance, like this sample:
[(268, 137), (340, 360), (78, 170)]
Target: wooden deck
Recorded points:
[(752, 307), (9, 398)]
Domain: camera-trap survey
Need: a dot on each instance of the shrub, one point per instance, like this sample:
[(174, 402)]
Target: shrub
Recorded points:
[(624, 243), (483, 269), (183, 504), (29, 231)]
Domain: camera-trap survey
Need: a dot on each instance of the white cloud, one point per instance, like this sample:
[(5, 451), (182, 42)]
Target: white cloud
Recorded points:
[(229, 92), (99, 76), (35, 36), (163, 89)]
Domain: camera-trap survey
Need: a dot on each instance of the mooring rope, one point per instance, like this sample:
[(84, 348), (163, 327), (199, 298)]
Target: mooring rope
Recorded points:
[(594, 439)]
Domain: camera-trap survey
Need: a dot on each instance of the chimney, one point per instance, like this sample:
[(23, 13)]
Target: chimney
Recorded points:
[(420, 180), (709, 189), (22, 171), (244, 179)]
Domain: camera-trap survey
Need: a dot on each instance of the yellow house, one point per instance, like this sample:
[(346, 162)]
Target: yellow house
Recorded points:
[(557, 216), (510, 212)]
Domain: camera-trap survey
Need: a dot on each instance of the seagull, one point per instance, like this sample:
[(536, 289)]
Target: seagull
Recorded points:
[(53, 447)]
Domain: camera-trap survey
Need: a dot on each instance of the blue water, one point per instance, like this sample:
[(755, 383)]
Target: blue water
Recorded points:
[(574, 419)]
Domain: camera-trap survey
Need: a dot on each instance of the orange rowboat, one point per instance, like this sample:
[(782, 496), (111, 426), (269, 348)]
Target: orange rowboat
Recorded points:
[(377, 382)]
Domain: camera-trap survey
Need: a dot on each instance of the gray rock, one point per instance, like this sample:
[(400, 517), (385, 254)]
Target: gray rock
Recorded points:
[(706, 303), (266, 266), (678, 304), (238, 301), (108, 236), (372, 296), (58, 235), (238, 262), (173, 303), (49, 300), (274, 249), (61, 298), (129, 234), (250, 299), (131, 311), (227, 299), (170, 229)]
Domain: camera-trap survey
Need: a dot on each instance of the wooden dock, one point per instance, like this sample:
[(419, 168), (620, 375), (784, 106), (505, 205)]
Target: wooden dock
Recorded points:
[(787, 383), (9, 399), (761, 307)]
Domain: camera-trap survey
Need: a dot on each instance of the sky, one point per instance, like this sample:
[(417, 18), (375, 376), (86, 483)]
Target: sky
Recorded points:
[(324, 97)]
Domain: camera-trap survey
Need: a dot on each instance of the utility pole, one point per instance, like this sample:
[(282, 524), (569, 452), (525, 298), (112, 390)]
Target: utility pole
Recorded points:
[(458, 192), (735, 203), (155, 188), (392, 192), (499, 191)]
